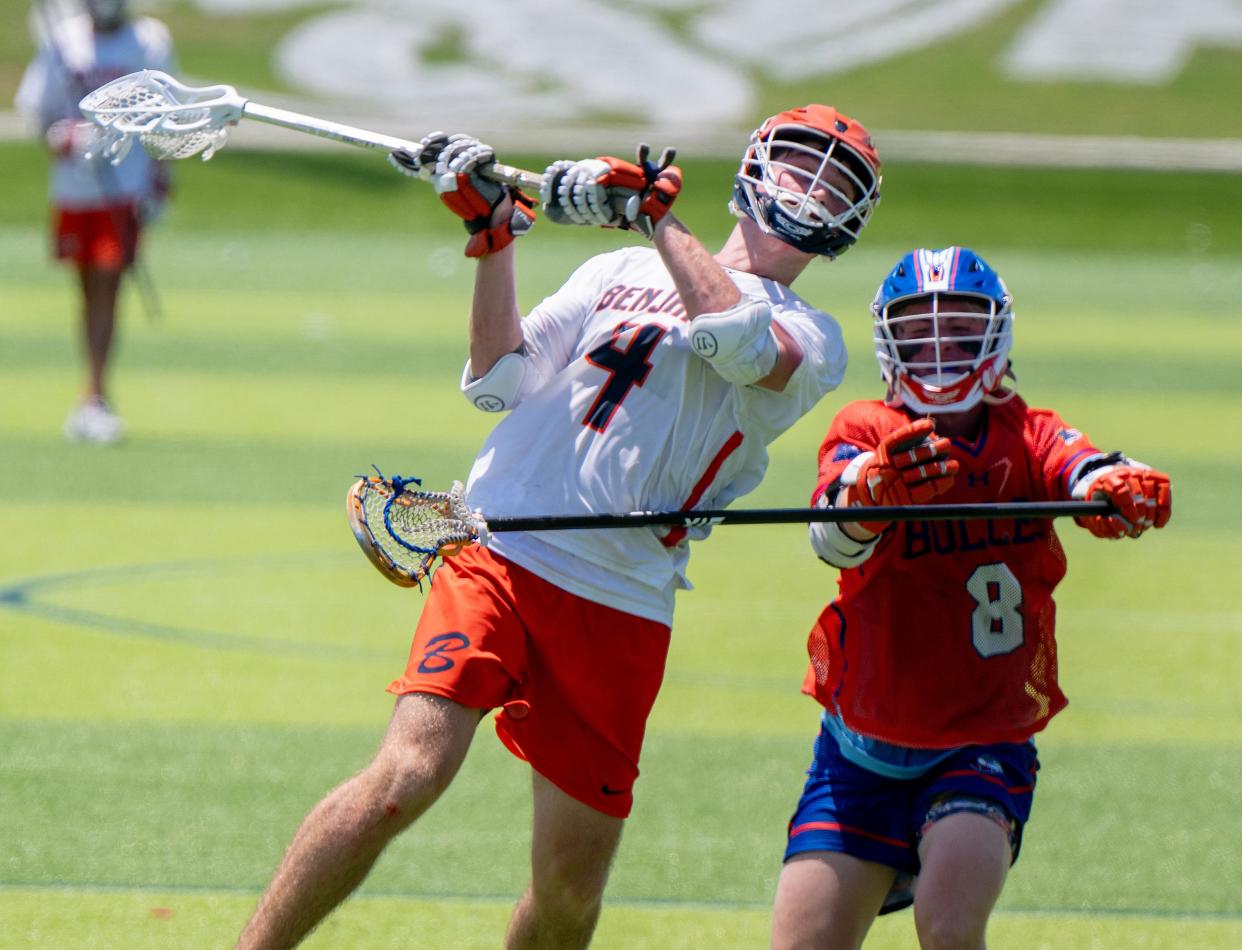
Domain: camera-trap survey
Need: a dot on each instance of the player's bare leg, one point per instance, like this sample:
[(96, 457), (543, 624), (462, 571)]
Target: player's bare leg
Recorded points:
[(100, 290), (827, 900), (572, 846), (344, 834), (965, 858)]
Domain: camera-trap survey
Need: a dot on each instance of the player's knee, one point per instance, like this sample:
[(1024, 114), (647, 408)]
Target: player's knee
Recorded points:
[(573, 886), (943, 926), (410, 774), (573, 905), (405, 784)]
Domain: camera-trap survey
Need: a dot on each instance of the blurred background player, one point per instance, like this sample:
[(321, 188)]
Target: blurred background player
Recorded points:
[(653, 379), (98, 209), (937, 662)]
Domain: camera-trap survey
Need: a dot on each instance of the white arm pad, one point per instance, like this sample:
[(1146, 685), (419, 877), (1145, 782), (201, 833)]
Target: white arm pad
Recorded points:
[(829, 539), (739, 343), (833, 545), (498, 388), (838, 548), (849, 475), (1085, 475)]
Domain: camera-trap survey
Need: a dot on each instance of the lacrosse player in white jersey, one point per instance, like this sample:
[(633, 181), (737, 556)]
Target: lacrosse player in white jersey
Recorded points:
[(654, 379), (99, 209)]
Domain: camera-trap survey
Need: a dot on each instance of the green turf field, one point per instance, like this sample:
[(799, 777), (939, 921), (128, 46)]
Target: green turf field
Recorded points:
[(192, 650), (958, 83)]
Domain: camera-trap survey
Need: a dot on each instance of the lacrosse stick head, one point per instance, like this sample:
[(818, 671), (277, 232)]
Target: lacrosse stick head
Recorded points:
[(403, 531), (170, 119)]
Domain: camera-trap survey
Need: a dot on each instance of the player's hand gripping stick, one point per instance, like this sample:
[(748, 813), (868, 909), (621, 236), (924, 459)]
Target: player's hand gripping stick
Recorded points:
[(911, 466)]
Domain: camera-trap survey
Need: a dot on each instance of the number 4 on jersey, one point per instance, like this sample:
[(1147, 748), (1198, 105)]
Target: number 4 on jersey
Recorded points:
[(627, 367)]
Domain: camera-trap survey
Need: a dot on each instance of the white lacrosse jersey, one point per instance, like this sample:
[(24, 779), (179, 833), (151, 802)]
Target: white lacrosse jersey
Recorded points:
[(77, 62), (618, 414)]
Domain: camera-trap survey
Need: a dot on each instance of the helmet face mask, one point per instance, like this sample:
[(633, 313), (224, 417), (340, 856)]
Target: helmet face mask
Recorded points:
[(810, 177), (943, 323)]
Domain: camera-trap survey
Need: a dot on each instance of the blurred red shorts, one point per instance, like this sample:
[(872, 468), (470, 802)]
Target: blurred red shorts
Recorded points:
[(574, 680), (106, 238)]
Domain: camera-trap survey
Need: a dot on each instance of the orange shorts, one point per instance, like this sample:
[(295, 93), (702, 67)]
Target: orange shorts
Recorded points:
[(576, 680), (106, 238)]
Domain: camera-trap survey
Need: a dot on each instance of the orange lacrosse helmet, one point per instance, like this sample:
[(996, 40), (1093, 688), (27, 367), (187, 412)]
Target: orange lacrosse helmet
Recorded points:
[(790, 158)]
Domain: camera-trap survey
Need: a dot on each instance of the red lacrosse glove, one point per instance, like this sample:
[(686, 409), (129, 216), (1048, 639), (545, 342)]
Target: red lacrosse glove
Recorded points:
[(1142, 496), (455, 164), (911, 466), (611, 192)]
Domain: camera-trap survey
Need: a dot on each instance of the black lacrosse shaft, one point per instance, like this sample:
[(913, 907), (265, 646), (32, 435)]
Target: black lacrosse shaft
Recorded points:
[(972, 512)]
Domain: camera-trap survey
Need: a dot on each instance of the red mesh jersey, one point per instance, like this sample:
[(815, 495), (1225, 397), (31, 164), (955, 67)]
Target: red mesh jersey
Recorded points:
[(945, 635)]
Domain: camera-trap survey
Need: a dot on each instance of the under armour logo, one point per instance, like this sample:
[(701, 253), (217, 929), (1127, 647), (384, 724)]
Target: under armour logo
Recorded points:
[(977, 478)]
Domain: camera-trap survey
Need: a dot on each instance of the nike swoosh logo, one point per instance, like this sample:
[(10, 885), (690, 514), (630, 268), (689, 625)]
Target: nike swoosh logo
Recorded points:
[(613, 791)]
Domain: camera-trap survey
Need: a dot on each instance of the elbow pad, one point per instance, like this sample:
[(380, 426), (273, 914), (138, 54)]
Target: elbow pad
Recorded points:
[(497, 389), (829, 540), (739, 343), (838, 548)]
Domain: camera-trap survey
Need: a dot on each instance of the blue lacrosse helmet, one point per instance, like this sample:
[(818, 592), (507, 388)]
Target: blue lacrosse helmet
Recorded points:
[(943, 322)]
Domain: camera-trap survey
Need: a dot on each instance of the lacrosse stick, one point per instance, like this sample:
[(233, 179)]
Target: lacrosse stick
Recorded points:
[(402, 531), (172, 120)]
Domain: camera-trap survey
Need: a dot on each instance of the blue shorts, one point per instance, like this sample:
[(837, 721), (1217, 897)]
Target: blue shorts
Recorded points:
[(855, 811)]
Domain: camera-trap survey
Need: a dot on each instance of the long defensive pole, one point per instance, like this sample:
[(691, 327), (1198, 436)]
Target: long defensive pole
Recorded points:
[(1033, 510)]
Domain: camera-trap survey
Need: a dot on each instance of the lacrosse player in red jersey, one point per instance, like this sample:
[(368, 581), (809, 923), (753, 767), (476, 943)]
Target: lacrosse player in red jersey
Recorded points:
[(99, 208), (937, 662), (652, 379)]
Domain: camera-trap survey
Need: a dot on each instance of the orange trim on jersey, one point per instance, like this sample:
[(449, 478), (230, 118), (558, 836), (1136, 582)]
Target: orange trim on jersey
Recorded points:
[(846, 829), (673, 538)]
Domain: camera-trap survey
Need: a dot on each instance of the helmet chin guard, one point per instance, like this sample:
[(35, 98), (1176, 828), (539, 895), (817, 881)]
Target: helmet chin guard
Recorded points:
[(811, 177), (943, 328)]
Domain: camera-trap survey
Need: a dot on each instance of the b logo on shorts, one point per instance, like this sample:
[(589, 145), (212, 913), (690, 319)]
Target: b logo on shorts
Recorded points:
[(434, 657)]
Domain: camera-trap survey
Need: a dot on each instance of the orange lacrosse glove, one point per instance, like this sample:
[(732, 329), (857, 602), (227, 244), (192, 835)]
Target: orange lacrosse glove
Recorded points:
[(611, 192), (655, 190), (911, 466), (455, 165), (1143, 498)]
